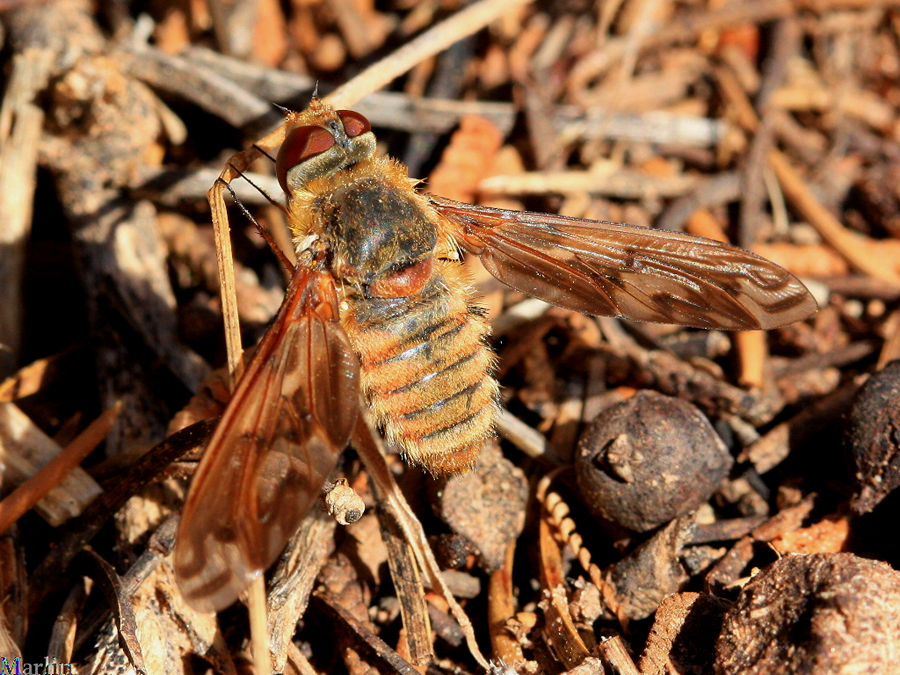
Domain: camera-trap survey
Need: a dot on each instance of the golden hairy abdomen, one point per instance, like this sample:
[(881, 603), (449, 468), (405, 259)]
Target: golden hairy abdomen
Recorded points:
[(427, 371)]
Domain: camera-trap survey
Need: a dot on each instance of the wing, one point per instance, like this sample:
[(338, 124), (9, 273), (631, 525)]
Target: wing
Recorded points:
[(613, 269), (291, 415)]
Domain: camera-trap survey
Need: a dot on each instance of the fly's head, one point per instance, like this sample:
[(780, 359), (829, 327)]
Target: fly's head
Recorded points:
[(321, 143)]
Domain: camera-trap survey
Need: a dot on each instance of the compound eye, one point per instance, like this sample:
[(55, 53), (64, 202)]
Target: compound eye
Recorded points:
[(299, 145), (354, 123)]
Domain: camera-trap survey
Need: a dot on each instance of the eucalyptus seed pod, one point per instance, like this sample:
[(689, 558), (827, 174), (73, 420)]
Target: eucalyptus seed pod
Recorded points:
[(648, 460), (872, 437), (817, 613)]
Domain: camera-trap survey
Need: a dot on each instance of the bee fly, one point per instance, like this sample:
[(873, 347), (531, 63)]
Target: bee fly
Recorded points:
[(378, 303)]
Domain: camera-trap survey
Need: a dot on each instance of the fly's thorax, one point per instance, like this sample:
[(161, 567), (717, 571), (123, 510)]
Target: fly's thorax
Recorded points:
[(380, 234), (376, 231)]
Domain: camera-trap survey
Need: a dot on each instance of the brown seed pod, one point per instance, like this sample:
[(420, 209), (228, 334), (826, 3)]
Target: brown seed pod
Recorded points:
[(487, 505), (648, 460), (872, 437), (818, 613)]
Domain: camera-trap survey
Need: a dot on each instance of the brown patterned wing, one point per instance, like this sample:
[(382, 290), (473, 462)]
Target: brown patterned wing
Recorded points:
[(613, 269), (291, 415)]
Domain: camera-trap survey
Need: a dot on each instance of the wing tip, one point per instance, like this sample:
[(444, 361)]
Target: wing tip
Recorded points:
[(799, 311), (213, 594)]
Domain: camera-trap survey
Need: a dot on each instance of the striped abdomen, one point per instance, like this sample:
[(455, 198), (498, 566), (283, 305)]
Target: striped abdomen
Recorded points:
[(427, 371)]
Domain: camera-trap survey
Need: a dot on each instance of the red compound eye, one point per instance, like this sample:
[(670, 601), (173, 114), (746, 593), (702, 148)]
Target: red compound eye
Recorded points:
[(299, 145), (354, 123)]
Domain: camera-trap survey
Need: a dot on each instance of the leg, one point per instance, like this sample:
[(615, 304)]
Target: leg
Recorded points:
[(238, 162)]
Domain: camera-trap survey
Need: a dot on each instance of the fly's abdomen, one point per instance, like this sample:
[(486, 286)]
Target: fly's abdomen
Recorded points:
[(427, 372)]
